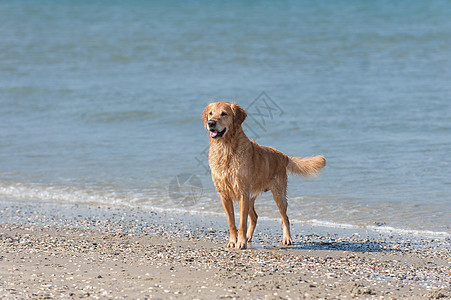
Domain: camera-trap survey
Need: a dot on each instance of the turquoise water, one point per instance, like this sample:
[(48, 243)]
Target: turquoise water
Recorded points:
[(101, 101)]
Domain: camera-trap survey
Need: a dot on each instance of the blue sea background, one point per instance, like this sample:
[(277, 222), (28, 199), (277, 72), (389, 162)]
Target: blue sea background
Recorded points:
[(100, 102)]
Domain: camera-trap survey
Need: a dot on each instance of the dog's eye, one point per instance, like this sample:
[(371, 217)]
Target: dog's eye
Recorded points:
[(223, 114), (210, 113)]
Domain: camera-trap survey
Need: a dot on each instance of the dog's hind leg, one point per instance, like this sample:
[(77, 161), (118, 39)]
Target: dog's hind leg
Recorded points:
[(280, 196), (252, 219)]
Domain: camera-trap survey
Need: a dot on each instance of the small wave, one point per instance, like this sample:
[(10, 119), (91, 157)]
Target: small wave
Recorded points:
[(382, 229), (122, 116), (64, 194), (331, 224), (389, 229), (159, 202), (183, 211), (100, 197)]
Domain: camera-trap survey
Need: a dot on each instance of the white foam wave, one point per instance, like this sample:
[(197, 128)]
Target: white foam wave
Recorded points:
[(383, 229), (389, 229), (159, 203), (331, 224), (65, 194), (91, 196)]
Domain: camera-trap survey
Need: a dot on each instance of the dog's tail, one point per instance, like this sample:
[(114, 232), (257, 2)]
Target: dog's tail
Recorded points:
[(306, 166)]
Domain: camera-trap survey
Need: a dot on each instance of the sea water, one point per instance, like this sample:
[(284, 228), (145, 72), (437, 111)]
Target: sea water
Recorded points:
[(100, 102)]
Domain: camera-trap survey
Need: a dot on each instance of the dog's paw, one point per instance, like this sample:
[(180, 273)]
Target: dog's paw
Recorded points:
[(241, 245), (287, 241), (231, 244)]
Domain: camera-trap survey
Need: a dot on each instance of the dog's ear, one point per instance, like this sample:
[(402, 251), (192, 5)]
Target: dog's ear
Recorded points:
[(205, 115), (239, 114)]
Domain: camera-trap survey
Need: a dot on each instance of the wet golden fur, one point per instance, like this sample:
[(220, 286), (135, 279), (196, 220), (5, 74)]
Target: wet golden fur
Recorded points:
[(241, 170)]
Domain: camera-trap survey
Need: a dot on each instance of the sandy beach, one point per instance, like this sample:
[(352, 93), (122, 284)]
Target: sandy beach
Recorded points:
[(54, 251)]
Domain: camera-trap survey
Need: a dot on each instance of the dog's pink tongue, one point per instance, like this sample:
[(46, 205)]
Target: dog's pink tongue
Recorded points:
[(213, 134)]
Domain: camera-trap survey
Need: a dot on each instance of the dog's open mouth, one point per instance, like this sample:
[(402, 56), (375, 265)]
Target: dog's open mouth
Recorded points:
[(214, 134)]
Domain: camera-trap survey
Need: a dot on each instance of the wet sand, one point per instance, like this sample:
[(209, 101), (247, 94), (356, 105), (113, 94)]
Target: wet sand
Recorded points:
[(50, 250)]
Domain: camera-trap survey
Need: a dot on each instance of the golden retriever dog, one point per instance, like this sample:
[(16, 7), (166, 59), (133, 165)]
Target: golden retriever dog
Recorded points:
[(241, 169)]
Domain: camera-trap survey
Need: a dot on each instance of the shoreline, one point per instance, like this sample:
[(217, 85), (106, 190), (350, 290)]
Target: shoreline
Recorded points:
[(59, 250), (25, 193)]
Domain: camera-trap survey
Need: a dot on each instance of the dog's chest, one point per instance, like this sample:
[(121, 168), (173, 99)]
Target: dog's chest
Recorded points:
[(226, 165), (227, 169)]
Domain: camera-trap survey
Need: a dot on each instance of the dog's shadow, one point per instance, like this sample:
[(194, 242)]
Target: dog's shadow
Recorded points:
[(348, 246)]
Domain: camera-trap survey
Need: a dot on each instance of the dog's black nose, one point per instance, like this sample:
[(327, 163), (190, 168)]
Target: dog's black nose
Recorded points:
[(211, 123)]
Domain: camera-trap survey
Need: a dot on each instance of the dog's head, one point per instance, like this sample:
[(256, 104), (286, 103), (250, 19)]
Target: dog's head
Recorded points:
[(223, 118)]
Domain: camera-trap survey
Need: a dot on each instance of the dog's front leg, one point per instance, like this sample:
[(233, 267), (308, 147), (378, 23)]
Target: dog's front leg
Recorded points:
[(242, 229), (227, 203)]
